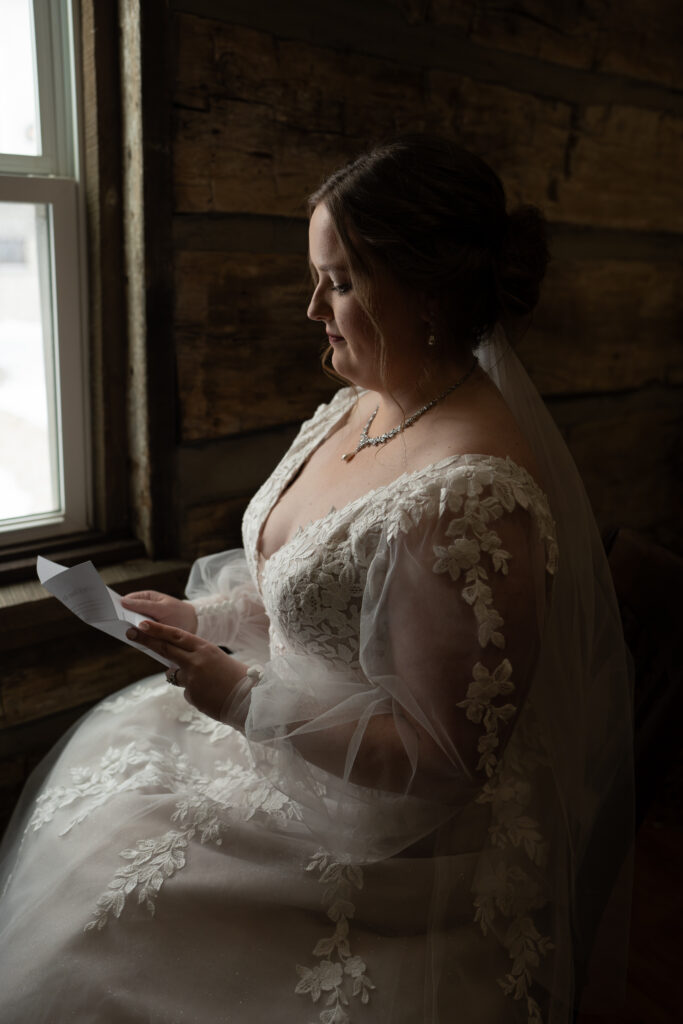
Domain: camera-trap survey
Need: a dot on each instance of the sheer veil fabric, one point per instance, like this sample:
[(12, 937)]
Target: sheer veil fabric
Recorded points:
[(389, 826)]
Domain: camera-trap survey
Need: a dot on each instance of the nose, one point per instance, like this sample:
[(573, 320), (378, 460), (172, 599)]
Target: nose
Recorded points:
[(317, 308)]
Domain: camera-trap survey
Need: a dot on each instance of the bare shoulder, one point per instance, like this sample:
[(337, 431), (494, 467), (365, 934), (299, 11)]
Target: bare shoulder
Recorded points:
[(480, 423)]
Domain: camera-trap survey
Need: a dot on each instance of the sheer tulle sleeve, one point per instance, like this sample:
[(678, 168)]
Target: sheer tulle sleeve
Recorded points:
[(228, 605), (381, 751)]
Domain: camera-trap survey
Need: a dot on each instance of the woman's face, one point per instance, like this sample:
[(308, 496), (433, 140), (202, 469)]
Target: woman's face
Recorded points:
[(352, 335)]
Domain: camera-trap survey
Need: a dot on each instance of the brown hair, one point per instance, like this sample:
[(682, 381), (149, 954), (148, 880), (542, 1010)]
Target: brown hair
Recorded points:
[(434, 215)]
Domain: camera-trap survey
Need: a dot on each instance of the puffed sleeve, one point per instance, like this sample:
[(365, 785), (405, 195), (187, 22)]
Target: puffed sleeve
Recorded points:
[(228, 605), (380, 754)]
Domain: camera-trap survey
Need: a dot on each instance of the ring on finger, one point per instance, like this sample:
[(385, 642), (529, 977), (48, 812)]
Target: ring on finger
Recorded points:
[(172, 676)]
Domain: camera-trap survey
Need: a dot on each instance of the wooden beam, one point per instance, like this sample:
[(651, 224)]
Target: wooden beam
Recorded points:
[(267, 119), (581, 68)]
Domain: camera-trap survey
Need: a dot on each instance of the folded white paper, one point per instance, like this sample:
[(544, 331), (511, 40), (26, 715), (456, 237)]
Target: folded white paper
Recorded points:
[(84, 592)]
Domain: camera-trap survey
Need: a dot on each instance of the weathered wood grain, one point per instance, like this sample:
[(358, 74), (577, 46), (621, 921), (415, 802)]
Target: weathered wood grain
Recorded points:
[(606, 326), (106, 279), (231, 466), (213, 526), (628, 448), (248, 360), (271, 117), (51, 678), (247, 356), (611, 37), (523, 137), (571, 51)]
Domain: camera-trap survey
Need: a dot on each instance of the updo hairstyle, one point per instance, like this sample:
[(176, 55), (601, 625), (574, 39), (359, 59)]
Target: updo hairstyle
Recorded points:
[(434, 216)]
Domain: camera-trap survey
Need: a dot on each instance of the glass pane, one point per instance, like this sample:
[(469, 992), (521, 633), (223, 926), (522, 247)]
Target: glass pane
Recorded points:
[(19, 121), (29, 468)]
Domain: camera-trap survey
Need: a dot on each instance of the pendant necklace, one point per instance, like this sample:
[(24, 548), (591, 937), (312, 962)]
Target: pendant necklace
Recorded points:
[(366, 442)]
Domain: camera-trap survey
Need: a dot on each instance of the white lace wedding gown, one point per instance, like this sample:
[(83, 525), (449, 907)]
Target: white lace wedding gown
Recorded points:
[(172, 869)]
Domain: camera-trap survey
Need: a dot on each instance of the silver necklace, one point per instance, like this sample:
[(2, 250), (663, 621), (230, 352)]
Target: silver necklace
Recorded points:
[(366, 442)]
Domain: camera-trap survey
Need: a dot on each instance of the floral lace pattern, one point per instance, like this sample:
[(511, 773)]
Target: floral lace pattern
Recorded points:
[(204, 805), (313, 589), (510, 888), (339, 975)]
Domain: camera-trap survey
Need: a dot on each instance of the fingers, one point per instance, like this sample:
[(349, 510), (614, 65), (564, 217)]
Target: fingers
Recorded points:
[(175, 644), (143, 595), (146, 602)]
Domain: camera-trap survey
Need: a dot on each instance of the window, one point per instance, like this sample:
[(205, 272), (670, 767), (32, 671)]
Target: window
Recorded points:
[(44, 408)]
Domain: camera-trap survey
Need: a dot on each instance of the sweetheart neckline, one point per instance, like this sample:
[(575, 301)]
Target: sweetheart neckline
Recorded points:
[(263, 563), (348, 395)]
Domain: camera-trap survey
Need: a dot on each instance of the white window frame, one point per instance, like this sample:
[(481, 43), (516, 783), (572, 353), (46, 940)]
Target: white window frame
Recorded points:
[(53, 179)]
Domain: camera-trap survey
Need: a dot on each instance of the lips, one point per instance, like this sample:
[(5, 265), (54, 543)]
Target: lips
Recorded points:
[(333, 338)]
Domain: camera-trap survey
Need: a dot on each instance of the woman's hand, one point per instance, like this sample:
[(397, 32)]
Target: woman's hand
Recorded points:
[(207, 674), (165, 609)]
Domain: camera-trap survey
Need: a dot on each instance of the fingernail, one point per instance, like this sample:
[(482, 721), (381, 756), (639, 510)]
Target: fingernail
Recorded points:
[(132, 633), (144, 625)]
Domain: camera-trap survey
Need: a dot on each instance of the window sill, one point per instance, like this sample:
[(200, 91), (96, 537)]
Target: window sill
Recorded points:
[(29, 615), (18, 562)]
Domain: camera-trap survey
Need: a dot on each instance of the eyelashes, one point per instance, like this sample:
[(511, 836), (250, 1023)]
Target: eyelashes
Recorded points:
[(341, 289)]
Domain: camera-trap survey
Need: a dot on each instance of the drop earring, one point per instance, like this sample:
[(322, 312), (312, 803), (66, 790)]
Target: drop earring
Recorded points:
[(431, 340)]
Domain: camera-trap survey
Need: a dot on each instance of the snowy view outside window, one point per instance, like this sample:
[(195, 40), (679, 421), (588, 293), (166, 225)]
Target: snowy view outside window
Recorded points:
[(26, 485), (29, 483)]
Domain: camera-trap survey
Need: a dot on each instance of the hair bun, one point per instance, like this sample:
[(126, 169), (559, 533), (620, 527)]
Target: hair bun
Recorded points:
[(522, 261)]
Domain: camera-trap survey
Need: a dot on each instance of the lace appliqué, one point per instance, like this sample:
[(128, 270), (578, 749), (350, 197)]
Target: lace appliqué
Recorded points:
[(508, 888), (505, 887), (479, 707), (95, 784), (212, 804), (151, 863), (508, 883), (181, 711), (205, 805), (339, 975), (137, 694)]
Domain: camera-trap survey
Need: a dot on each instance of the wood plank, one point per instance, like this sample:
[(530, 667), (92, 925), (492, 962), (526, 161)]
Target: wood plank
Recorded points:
[(614, 167), (408, 31), (622, 169), (523, 137), (628, 449), (253, 232), (612, 37), (231, 466), (606, 326), (213, 526), (49, 678), (316, 107), (247, 360), (247, 356), (106, 278)]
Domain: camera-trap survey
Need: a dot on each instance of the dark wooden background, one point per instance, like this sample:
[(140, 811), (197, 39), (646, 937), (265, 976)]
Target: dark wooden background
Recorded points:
[(578, 106)]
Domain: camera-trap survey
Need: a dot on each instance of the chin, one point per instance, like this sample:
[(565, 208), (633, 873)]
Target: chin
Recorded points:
[(352, 372)]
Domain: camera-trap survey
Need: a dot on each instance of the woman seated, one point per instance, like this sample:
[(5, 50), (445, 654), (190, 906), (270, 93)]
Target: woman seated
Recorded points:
[(404, 701)]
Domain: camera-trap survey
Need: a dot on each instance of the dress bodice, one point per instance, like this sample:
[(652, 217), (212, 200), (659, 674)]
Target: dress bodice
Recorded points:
[(313, 585)]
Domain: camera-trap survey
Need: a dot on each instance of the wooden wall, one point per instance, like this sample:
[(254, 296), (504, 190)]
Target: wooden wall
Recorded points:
[(576, 105), (579, 107)]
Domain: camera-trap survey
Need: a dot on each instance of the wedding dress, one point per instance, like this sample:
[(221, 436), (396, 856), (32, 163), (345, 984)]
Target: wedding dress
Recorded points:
[(288, 867)]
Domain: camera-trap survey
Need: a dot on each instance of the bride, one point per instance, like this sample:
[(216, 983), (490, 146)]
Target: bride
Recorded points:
[(395, 714)]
